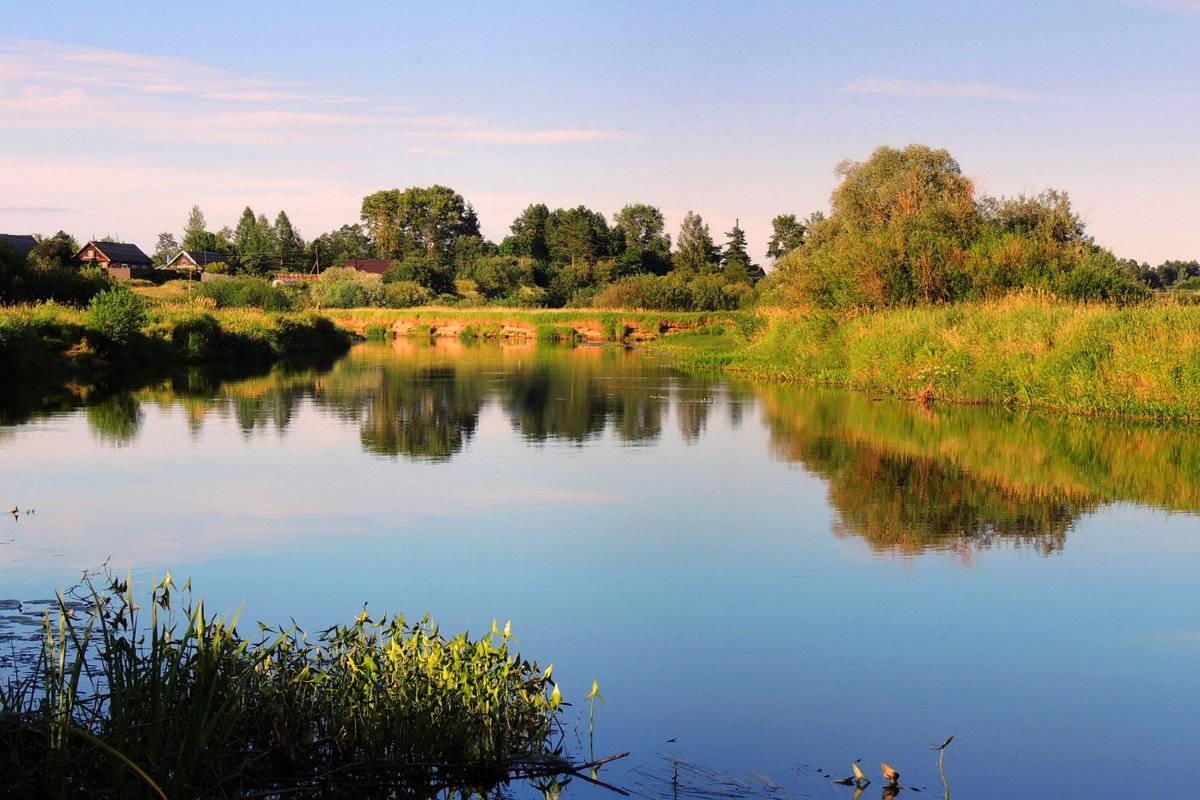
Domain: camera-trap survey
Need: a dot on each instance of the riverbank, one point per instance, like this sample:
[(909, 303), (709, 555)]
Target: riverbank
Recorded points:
[(580, 325), (55, 344), (1140, 361)]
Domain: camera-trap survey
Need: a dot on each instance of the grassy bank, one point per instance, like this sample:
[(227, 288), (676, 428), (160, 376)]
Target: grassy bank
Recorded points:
[(1137, 361), (54, 342), (557, 324)]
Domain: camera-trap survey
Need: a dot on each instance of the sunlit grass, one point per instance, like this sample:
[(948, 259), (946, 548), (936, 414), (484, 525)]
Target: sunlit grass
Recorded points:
[(181, 705)]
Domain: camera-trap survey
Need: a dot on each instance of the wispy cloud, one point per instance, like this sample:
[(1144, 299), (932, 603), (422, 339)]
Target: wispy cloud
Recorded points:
[(46, 85), (974, 91)]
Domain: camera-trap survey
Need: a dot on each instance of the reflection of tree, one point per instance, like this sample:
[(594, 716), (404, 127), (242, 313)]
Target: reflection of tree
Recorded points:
[(429, 414), (545, 401), (116, 418), (693, 399), (909, 504), (907, 480)]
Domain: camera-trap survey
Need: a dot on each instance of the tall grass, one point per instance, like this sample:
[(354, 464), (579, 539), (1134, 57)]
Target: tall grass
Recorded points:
[(1025, 350), (180, 705)]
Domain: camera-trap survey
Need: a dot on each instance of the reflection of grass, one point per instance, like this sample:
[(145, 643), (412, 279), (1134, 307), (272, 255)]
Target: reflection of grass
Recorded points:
[(1141, 361), (1089, 460)]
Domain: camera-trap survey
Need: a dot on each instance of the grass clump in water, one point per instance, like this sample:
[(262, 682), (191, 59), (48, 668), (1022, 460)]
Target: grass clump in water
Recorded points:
[(183, 706)]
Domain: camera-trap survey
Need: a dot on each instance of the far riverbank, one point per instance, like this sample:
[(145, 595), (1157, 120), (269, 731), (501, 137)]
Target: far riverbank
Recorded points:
[(1139, 361)]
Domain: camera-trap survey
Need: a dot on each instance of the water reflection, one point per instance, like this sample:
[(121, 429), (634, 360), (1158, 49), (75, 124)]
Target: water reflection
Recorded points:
[(909, 479), (906, 479)]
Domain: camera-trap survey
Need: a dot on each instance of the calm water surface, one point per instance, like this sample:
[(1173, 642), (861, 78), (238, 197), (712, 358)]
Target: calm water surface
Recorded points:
[(766, 581)]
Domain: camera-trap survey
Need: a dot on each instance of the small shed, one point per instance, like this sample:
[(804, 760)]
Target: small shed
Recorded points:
[(121, 260), (21, 244), (375, 266), (196, 260)]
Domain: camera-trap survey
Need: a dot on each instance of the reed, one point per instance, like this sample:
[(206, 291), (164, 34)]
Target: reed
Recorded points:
[(180, 705)]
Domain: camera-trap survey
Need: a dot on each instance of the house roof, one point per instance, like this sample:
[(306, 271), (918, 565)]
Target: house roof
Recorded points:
[(23, 244), (377, 266), (198, 257), (119, 252)]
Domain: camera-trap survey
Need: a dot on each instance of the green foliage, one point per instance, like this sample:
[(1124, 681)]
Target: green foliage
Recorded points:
[(418, 221), (423, 269), (49, 273), (346, 287), (695, 251), (556, 333), (243, 292), (787, 234), (678, 290), (406, 294), (907, 228), (117, 314), (335, 248), (180, 703)]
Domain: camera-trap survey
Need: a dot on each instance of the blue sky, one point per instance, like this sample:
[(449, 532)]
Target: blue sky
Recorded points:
[(116, 118)]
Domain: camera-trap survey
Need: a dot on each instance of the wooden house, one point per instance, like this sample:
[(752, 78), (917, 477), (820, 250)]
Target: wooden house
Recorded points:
[(20, 244), (121, 260), (376, 266), (195, 260)]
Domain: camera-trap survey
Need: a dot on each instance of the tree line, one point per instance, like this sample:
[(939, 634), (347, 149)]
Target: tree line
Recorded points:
[(905, 226)]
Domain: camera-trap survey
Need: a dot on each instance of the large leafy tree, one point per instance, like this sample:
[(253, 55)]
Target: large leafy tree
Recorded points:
[(418, 220), (335, 248), (906, 227), (576, 235), (528, 238), (640, 232), (787, 234)]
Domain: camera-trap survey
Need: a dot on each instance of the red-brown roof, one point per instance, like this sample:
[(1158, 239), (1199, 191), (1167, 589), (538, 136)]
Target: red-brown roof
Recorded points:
[(377, 266)]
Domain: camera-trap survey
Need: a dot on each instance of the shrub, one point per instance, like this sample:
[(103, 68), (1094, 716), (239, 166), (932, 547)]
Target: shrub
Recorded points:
[(117, 315), (405, 294), (346, 287), (247, 292)]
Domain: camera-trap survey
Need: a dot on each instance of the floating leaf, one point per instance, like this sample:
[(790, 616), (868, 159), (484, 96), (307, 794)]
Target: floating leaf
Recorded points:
[(889, 773), (858, 773)]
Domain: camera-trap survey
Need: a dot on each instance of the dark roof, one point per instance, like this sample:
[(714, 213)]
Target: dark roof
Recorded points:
[(376, 265), (199, 257), (119, 252), (21, 243)]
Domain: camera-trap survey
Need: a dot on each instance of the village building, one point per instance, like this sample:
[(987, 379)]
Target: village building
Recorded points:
[(21, 244), (195, 260), (119, 259), (375, 266)]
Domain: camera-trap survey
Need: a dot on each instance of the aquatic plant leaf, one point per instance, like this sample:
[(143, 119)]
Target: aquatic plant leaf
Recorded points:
[(892, 775), (858, 773)]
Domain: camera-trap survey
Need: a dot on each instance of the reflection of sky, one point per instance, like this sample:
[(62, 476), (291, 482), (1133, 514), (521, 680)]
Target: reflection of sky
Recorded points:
[(698, 581)]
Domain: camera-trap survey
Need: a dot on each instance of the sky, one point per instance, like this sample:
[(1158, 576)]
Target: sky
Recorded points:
[(116, 118)]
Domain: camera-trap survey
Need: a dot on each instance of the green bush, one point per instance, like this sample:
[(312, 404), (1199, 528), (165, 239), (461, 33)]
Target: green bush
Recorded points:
[(117, 315), (406, 294), (346, 287), (248, 292)]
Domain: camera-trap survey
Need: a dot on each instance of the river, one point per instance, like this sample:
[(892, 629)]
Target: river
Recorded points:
[(768, 582)]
